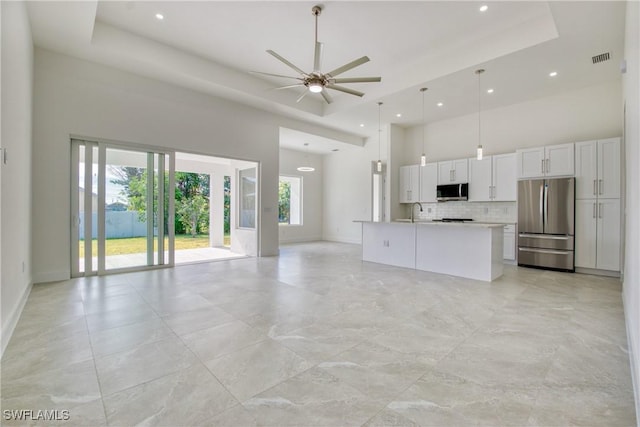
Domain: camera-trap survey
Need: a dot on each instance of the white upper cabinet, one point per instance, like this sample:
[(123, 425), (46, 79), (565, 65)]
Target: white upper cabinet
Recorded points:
[(428, 182), (552, 160), (505, 181), (480, 180), (598, 169), (453, 172), (493, 178), (409, 184)]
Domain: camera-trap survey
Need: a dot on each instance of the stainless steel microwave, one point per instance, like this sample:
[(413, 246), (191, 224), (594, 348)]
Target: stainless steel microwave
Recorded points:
[(448, 192)]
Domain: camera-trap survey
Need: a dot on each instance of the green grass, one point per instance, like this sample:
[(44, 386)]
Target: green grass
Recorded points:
[(136, 245)]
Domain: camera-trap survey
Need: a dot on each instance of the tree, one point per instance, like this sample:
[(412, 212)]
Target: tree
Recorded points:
[(193, 213), (284, 202)]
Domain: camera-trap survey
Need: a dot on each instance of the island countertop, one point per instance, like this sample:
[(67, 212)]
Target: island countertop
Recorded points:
[(465, 249)]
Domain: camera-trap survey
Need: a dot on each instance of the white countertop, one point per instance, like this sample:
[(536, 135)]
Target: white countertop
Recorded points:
[(440, 223)]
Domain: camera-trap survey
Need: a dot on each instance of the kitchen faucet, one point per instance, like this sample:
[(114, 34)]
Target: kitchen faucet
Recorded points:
[(412, 206)]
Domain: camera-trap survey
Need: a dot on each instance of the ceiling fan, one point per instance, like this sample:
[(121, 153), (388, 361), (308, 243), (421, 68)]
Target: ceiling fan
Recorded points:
[(317, 81)]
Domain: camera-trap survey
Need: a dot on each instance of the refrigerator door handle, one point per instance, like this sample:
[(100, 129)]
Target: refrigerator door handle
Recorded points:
[(545, 251), (544, 236), (543, 205)]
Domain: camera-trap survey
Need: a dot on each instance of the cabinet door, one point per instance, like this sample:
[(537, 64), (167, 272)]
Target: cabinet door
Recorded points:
[(460, 169), (509, 246), (504, 180), (445, 173), (404, 188), (480, 188), (414, 178), (585, 233), (586, 154), (559, 160), (609, 168), (530, 162), (428, 182), (608, 235)]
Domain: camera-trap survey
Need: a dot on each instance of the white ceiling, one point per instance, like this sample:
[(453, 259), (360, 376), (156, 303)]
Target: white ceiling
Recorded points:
[(211, 46)]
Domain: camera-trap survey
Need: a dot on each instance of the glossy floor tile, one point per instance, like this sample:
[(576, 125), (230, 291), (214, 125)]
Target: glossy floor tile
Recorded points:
[(316, 337)]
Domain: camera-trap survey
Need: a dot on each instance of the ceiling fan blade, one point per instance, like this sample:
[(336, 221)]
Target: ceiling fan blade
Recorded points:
[(281, 59), (346, 90), (347, 67), (275, 75), (317, 57), (287, 87), (357, 80), (326, 97), (302, 96)]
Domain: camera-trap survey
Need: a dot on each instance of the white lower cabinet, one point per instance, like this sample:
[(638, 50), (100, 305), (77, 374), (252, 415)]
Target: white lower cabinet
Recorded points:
[(509, 245), (597, 234)]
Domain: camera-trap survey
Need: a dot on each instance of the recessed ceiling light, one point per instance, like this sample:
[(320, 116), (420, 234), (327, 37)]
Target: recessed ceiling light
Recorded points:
[(399, 115), (484, 8), (159, 16), (553, 74), (489, 90), (361, 125), (440, 104)]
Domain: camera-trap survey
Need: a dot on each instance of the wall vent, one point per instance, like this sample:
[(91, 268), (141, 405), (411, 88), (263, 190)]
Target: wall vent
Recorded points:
[(600, 58)]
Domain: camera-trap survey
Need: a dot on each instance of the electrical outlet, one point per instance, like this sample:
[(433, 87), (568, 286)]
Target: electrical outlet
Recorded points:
[(486, 211), (23, 266), (428, 210)]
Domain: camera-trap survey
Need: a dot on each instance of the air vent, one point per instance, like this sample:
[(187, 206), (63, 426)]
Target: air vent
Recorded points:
[(600, 58)]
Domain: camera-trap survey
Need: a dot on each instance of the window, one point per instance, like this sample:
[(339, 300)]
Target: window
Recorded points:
[(247, 198), (290, 200)]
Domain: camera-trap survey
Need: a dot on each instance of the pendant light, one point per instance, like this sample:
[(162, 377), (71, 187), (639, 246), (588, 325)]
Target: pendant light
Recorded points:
[(306, 161), (379, 164), (479, 149), (423, 158)]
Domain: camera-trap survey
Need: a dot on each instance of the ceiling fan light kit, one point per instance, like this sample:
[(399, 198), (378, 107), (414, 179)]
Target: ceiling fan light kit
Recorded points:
[(317, 81)]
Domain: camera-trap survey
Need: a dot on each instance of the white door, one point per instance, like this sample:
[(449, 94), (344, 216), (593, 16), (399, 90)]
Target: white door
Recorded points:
[(509, 248), (609, 168), (560, 160), (608, 246), (505, 182), (460, 171), (428, 182), (585, 233), (445, 173), (531, 162), (480, 188), (246, 189), (586, 154)]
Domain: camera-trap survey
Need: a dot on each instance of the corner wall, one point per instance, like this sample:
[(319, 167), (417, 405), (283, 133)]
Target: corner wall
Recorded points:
[(15, 175), (312, 196), (631, 285)]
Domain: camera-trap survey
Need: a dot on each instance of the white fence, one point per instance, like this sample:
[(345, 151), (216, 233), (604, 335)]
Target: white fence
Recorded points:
[(119, 224)]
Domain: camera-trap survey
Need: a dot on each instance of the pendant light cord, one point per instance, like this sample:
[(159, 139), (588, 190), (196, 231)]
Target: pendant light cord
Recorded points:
[(423, 90), (379, 130)]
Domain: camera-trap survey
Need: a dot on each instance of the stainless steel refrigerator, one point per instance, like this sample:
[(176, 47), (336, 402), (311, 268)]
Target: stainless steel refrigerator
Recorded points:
[(546, 223)]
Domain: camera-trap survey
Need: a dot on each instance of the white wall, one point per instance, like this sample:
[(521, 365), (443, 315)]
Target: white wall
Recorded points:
[(347, 196), (589, 113), (631, 286), (312, 196), (77, 97), (17, 90)]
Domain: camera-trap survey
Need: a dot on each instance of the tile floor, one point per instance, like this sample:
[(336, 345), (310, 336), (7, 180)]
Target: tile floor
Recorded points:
[(316, 337)]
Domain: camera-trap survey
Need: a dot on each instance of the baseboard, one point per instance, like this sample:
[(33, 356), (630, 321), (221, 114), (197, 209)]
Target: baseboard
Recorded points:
[(9, 326), (595, 272), (51, 276), (633, 361), (341, 239), (300, 240)]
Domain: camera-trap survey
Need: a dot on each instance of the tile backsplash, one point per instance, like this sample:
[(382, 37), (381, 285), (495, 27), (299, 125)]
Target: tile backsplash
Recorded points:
[(478, 211)]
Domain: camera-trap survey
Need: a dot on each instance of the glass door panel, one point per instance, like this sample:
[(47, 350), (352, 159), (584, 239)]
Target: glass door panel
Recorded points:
[(127, 212)]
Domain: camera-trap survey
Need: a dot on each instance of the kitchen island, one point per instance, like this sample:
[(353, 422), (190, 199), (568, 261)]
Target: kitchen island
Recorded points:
[(468, 250)]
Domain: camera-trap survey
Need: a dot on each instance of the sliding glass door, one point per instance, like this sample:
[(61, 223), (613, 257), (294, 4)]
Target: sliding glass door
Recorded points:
[(122, 207)]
